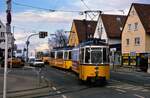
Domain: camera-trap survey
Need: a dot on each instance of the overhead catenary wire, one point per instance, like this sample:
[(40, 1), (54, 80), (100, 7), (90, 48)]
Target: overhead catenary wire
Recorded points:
[(88, 9), (68, 11), (47, 9)]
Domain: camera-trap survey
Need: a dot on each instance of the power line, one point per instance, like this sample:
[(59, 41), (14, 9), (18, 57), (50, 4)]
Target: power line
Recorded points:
[(87, 12), (50, 10), (85, 4)]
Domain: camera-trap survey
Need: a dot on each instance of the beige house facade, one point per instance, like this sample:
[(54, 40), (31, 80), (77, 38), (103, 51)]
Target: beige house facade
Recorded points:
[(136, 37)]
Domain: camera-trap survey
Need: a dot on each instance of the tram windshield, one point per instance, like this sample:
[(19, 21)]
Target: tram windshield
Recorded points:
[(96, 55)]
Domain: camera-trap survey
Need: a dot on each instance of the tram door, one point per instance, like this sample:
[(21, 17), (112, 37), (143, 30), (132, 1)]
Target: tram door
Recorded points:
[(82, 60)]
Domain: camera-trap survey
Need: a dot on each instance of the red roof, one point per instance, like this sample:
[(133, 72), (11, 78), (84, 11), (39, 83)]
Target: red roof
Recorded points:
[(143, 11), (85, 29), (113, 25)]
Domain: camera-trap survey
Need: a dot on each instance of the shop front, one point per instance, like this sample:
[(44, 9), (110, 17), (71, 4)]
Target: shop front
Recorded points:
[(136, 60)]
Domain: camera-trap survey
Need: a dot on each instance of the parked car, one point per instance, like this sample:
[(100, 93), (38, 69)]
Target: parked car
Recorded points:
[(16, 63), (38, 63), (31, 61)]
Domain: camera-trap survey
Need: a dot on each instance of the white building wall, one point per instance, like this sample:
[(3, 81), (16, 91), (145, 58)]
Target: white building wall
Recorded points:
[(100, 33), (2, 38), (103, 34)]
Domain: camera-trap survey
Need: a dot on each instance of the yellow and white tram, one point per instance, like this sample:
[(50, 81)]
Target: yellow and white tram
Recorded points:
[(90, 61), (61, 58)]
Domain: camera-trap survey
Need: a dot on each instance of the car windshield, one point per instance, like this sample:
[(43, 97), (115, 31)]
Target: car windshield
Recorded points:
[(38, 60)]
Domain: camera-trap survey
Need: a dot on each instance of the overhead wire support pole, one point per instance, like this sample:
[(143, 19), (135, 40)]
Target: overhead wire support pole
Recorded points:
[(8, 30)]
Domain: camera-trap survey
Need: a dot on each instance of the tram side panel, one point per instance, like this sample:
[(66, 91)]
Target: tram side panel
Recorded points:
[(75, 60)]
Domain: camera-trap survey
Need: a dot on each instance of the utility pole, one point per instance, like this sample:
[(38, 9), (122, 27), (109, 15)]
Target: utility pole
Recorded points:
[(12, 46), (8, 30), (85, 20)]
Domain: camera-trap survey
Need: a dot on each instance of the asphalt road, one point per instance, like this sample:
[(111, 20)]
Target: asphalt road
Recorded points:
[(65, 84)]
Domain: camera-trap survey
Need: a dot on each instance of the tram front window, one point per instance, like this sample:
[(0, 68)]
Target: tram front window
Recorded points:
[(87, 55), (96, 57)]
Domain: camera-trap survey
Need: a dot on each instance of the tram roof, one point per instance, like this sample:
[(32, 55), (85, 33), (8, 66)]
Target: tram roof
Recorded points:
[(94, 41), (62, 48)]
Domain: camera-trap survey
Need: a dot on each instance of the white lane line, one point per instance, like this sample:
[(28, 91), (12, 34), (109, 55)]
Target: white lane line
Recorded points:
[(120, 90), (139, 96), (64, 96), (58, 92), (54, 88)]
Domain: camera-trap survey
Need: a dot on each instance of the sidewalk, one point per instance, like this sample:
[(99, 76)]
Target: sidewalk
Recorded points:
[(20, 83), (131, 75)]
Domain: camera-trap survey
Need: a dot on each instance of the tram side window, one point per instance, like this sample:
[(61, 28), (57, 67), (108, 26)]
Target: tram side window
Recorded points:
[(66, 55), (82, 55), (60, 55), (104, 55), (70, 55), (52, 54), (75, 55), (87, 55)]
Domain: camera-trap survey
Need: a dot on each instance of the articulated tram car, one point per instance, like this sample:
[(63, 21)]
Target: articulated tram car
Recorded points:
[(61, 58), (90, 61)]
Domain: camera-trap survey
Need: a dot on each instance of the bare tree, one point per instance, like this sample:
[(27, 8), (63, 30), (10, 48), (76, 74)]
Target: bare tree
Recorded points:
[(59, 39)]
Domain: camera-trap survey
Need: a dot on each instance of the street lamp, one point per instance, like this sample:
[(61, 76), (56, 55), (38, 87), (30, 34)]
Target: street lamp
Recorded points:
[(42, 34), (27, 43)]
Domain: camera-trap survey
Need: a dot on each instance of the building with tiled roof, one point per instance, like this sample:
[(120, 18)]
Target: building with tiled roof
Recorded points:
[(81, 30), (136, 36), (109, 28)]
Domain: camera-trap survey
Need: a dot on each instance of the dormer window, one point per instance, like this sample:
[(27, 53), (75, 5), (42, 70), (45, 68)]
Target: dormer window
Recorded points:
[(132, 12)]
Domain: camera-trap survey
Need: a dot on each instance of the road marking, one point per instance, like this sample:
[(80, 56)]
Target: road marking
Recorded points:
[(120, 90), (64, 96), (30, 67), (139, 96), (54, 88), (58, 92)]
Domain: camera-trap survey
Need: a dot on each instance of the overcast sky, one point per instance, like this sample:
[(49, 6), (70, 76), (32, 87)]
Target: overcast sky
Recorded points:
[(30, 20)]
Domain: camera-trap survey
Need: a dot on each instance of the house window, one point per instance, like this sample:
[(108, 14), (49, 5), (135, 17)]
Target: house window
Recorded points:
[(136, 26), (137, 41), (100, 29), (0, 26), (129, 26), (2, 34), (127, 41), (132, 12)]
